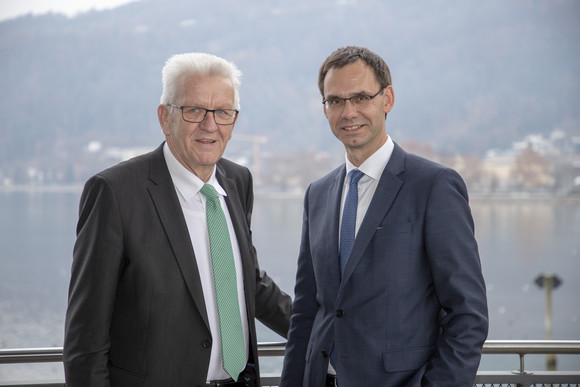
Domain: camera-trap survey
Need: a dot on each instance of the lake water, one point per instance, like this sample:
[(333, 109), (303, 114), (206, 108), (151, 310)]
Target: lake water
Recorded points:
[(518, 241)]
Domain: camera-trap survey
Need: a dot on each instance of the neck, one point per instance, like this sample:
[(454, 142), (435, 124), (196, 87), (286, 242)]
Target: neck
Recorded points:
[(357, 156), (203, 172)]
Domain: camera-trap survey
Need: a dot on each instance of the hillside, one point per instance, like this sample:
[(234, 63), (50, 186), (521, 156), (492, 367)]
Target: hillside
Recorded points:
[(467, 75)]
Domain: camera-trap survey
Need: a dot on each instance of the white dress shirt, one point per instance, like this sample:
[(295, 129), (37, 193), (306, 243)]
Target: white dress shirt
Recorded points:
[(373, 168), (192, 202)]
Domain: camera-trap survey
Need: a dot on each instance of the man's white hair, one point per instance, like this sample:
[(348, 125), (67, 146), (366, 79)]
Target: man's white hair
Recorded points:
[(197, 64)]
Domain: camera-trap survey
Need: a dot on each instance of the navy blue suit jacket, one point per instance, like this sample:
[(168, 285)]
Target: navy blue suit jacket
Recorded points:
[(411, 309)]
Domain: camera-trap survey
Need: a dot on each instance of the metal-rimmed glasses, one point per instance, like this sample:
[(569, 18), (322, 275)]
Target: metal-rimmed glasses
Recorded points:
[(357, 100), (196, 114)]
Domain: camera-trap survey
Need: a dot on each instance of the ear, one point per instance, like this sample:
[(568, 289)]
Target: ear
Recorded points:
[(164, 118), (325, 111), (389, 97)]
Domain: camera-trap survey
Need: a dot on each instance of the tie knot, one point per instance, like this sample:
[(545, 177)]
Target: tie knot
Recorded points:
[(355, 176), (209, 191)]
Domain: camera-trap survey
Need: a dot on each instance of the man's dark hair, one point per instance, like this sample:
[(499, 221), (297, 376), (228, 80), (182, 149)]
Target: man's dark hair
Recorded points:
[(350, 54)]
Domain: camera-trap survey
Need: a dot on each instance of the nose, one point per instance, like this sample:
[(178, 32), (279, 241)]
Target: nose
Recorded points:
[(349, 110), (208, 123)]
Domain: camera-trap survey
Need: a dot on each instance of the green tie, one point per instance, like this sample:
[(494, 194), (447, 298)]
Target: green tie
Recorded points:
[(226, 291)]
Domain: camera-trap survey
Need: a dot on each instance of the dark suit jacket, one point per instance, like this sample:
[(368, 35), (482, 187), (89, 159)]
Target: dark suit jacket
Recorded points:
[(411, 309), (136, 313)]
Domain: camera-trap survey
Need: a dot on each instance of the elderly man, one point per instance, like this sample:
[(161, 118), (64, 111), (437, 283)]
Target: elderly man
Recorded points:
[(165, 283)]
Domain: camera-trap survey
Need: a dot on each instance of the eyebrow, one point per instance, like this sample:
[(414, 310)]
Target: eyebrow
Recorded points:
[(350, 96), (215, 108)]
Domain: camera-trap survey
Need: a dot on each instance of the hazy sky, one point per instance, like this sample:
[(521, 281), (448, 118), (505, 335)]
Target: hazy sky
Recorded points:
[(13, 8)]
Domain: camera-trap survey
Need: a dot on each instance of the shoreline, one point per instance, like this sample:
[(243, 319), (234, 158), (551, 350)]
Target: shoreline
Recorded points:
[(269, 194)]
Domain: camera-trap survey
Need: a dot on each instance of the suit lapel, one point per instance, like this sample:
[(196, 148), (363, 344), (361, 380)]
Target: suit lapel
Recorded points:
[(333, 212), (166, 202), (387, 189)]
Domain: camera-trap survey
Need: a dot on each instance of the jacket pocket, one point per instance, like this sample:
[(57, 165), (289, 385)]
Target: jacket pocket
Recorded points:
[(126, 378), (409, 359), (396, 227)]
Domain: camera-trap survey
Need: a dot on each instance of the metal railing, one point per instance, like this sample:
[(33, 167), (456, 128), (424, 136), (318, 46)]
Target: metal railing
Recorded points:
[(523, 377), (519, 378)]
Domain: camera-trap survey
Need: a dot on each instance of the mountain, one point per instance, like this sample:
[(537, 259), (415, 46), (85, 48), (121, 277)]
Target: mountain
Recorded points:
[(467, 76)]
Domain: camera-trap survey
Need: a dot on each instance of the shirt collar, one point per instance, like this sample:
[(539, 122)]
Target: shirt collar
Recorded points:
[(376, 163), (187, 183)]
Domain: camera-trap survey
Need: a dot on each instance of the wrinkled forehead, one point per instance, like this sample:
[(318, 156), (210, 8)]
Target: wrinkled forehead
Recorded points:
[(198, 89)]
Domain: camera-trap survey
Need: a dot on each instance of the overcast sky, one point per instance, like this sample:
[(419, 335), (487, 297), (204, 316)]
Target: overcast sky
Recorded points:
[(12, 8)]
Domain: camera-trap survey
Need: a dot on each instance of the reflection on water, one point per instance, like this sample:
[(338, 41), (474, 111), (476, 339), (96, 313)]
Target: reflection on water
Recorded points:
[(518, 240)]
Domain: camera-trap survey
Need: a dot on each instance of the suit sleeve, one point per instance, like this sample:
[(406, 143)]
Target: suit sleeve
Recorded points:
[(273, 306), (97, 263), (454, 261)]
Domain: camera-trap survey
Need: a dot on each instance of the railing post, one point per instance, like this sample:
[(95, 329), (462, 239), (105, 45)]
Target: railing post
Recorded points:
[(548, 281), (522, 368)]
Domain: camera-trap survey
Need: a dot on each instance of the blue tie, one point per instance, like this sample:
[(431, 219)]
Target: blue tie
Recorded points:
[(347, 230)]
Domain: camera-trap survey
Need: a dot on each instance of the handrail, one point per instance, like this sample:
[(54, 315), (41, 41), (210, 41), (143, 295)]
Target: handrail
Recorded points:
[(272, 349), (529, 347), (30, 355)]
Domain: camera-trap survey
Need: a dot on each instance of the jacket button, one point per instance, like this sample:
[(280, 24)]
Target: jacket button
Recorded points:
[(324, 354), (206, 343), (338, 313)]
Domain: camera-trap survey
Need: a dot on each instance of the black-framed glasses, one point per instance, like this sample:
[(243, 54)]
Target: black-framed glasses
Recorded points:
[(357, 100), (196, 114)]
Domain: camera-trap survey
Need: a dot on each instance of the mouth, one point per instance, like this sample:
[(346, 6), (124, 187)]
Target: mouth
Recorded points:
[(206, 141), (352, 128)]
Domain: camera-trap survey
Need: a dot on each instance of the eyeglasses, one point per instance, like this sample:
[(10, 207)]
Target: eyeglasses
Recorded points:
[(196, 114), (357, 100)]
